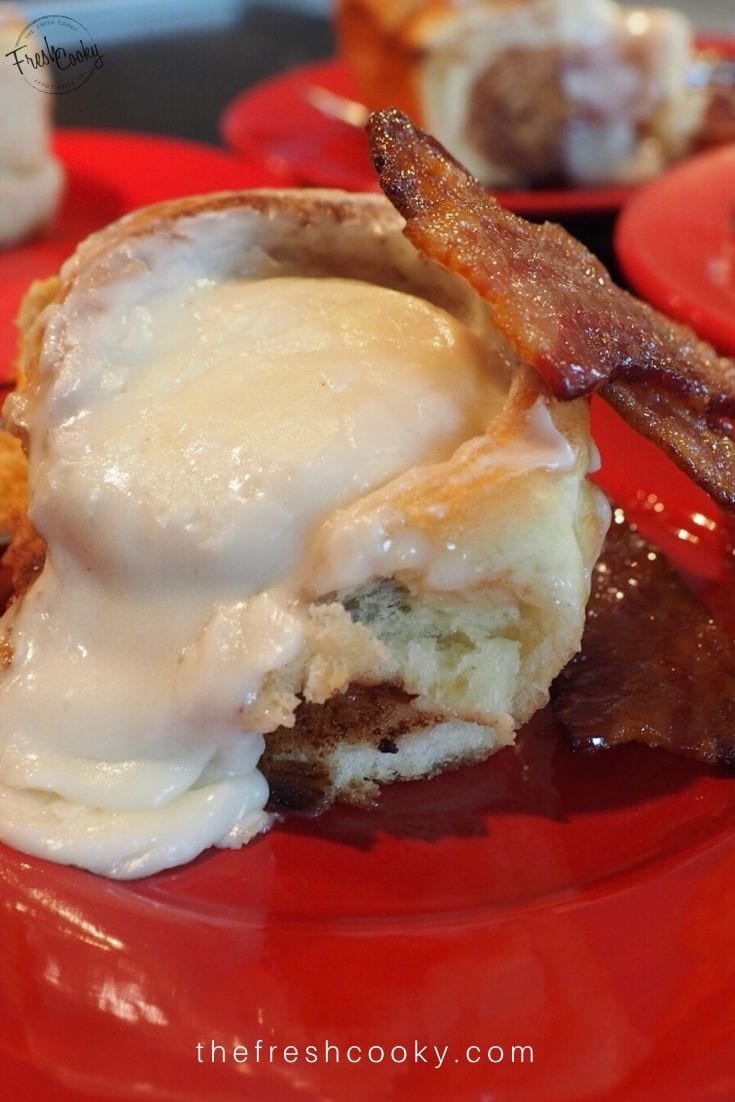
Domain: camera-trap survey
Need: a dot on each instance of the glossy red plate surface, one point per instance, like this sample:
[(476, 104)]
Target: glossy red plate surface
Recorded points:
[(675, 241), (583, 906), (276, 122), (108, 174)]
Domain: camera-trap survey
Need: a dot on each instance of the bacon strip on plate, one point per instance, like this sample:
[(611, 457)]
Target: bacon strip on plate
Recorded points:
[(558, 307), (654, 667)]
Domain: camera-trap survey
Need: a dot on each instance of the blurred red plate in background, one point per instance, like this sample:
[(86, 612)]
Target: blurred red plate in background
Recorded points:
[(675, 241), (110, 173)]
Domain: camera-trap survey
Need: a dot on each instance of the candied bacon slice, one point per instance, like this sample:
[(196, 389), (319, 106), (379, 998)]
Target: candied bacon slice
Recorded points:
[(558, 307), (654, 666)]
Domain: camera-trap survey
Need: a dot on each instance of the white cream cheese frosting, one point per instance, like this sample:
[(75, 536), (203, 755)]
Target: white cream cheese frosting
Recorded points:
[(209, 455)]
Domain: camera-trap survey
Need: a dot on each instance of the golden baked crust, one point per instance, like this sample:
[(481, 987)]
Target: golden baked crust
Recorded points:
[(26, 552), (13, 491)]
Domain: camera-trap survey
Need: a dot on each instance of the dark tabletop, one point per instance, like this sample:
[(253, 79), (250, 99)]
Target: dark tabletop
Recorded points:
[(180, 84)]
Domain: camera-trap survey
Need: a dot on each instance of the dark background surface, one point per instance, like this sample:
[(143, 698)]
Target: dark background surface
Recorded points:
[(180, 84)]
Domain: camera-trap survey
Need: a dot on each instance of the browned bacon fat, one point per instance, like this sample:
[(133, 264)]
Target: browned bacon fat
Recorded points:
[(558, 307), (654, 667)]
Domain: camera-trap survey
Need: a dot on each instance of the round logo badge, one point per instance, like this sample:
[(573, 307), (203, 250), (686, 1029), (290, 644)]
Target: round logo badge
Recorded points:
[(55, 54)]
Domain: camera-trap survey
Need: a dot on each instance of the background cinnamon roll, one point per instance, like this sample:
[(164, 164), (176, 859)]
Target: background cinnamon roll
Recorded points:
[(535, 92)]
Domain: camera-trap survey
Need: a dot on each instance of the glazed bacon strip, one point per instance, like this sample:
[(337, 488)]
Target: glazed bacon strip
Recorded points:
[(558, 307)]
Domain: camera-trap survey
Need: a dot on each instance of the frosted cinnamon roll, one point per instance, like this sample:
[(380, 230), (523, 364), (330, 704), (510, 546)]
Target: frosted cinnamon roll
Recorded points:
[(300, 524)]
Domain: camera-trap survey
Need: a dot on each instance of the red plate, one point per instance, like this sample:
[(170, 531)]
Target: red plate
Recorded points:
[(275, 122), (582, 906), (108, 174), (675, 241)]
